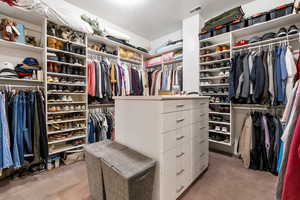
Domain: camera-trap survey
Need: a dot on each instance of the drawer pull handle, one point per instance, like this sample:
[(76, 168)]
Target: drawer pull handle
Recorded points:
[(202, 154), (181, 171), (202, 141), (180, 155), (179, 138), (202, 114), (180, 189), (180, 105), (202, 127), (202, 104), (179, 120)]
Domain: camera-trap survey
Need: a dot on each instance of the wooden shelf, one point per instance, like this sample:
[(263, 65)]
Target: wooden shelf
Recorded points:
[(216, 122), (219, 132), (20, 46), (67, 139), (215, 61), (65, 130), (68, 148), (65, 52), (215, 53), (102, 53), (219, 142)]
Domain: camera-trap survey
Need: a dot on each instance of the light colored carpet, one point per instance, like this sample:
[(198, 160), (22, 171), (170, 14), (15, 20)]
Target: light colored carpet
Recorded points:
[(226, 179)]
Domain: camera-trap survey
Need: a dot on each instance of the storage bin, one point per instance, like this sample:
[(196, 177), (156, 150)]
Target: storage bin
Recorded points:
[(258, 18), (204, 35), (117, 172), (238, 24), (281, 11), (220, 30)]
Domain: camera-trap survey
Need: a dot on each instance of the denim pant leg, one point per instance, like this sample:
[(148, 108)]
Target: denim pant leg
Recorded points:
[(5, 155), (22, 127), (16, 157), (27, 135)]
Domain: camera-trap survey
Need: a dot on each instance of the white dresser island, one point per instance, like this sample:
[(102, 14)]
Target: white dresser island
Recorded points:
[(173, 130)]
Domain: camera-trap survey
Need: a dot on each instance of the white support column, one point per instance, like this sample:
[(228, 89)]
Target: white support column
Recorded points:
[(191, 27)]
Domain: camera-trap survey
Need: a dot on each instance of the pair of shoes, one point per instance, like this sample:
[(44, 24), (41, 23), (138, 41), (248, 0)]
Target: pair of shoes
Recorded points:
[(284, 32)]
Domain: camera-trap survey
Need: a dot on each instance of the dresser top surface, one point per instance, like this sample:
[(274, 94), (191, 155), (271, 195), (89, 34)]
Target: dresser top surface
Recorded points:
[(160, 98)]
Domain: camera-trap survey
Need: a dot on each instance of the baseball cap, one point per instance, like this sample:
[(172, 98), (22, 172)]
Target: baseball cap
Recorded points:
[(7, 69)]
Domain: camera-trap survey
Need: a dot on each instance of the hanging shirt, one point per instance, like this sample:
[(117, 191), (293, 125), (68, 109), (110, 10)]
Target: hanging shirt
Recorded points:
[(91, 79), (291, 71)]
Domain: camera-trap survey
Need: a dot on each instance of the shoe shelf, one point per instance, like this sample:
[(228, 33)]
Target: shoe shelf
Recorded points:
[(215, 94), (67, 93), (219, 142), (68, 84), (78, 96), (66, 121), (215, 61), (66, 112), (215, 84), (67, 139), (214, 45), (66, 75), (66, 130), (214, 69), (217, 122), (219, 113), (65, 63), (220, 104), (64, 102), (65, 149), (219, 132), (102, 53), (66, 41), (20, 46), (215, 53), (213, 77), (65, 52)]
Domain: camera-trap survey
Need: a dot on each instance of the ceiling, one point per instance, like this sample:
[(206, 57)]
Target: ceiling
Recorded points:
[(152, 19)]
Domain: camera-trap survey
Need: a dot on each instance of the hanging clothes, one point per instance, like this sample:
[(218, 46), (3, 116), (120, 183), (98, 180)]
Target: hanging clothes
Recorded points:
[(290, 117), (22, 128), (262, 76), (258, 145), (101, 126)]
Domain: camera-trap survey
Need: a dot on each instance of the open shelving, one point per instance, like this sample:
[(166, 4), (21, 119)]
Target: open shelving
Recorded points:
[(79, 98), (215, 84)]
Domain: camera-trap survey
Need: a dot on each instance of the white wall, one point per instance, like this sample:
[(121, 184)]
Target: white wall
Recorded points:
[(191, 47), (177, 35), (136, 40)]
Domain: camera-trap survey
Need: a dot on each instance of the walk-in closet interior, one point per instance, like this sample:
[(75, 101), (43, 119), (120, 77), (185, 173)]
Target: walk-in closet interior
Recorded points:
[(150, 100)]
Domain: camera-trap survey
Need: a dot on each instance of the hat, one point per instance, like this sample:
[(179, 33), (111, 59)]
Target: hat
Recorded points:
[(255, 39), (268, 36), (30, 61), (7, 69)]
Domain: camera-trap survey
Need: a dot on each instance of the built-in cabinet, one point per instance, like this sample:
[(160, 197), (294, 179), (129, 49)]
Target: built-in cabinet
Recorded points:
[(173, 131)]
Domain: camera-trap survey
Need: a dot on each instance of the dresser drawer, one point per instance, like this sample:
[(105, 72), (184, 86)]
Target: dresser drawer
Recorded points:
[(200, 104), (175, 105), (200, 129), (174, 138), (175, 120), (199, 115)]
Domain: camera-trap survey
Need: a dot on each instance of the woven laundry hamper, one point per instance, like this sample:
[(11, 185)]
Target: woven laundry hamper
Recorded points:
[(128, 175), (93, 154)]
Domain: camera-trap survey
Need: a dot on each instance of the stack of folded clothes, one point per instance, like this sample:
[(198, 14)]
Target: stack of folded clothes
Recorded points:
[(27, 70)]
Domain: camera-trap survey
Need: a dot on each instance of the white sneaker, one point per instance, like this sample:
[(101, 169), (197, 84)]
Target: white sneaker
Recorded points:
[(218, 128), (224, 129), (69, 99), (64, 98)]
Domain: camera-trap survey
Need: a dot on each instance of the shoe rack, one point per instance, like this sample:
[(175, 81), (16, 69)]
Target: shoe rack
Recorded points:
[(215, 54), (66, 88)]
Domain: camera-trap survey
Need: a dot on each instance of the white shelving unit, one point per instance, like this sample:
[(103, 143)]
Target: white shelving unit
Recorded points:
[(78, 98), (215, 85), (229, 39)]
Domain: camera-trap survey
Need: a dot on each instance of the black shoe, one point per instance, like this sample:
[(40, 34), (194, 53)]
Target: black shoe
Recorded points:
[(293, 30), (282, 32)]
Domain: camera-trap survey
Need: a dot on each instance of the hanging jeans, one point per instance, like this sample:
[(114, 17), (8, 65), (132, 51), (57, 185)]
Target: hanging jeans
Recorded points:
[(29, 123), (91, 132), (20, 132), (5, 154)]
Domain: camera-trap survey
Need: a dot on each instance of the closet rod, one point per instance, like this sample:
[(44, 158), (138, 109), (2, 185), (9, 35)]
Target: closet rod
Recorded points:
[(259, 46), (20, 86)]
